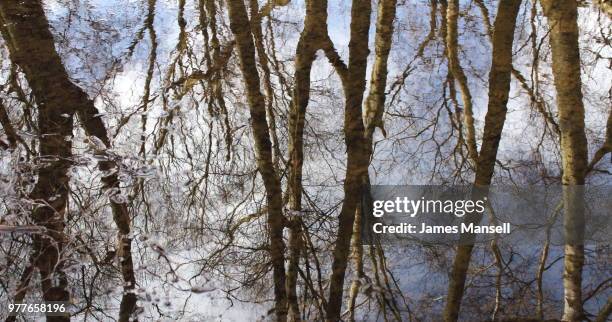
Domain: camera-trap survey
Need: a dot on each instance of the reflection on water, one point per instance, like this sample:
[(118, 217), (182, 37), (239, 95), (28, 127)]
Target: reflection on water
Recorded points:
[(129, 182)]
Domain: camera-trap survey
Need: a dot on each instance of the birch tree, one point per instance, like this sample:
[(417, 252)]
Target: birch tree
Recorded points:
[(373, 118), (353, 85), (499, 88), (239, 24), (562, 17)]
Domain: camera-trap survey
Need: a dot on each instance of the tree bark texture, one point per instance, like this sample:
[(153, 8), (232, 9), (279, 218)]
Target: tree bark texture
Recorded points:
[(240, 26), (357, 159), (499, 88), (31, 47), (562, 18)]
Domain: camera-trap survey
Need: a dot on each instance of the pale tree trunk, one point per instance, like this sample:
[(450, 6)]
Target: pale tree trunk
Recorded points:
[(562, 17), (240, 26), (305, 55), (357, 159), (31, 47), (374, 109), (375, 103), (452, 13), (295, 249), (499, 87), (265, 66), (311, 40), (357, 255)]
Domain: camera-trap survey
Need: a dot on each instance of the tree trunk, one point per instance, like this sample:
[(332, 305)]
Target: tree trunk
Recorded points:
[(239, 24), (265, 66), (374, 109), (31, 46), (452, 13), (311, 39), (499, 87), (375, 103), (562, 16), (357, 159), (26, 33)]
